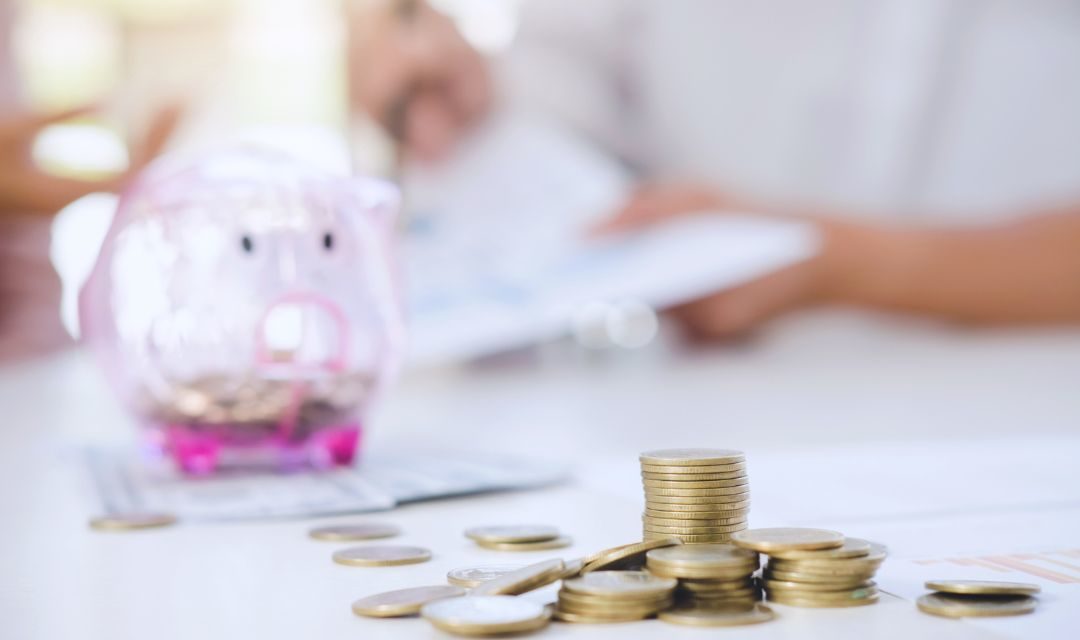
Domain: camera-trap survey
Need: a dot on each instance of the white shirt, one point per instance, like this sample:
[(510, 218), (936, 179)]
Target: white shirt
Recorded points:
[(944, 108)]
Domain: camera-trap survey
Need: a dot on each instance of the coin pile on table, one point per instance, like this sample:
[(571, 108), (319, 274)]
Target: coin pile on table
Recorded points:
[(710, 576), (524, 537), (815, 567), (614, 596), (697, 495), (978, 598)]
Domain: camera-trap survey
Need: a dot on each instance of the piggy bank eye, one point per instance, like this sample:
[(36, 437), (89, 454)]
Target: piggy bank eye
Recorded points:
[(328, 241), (247, 244)]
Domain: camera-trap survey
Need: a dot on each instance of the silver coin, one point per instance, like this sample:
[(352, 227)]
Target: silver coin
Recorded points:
[(475, 576)]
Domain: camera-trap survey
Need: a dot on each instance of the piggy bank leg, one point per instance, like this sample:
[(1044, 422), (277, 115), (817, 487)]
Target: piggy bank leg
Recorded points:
[(195, 453), (335, 446)]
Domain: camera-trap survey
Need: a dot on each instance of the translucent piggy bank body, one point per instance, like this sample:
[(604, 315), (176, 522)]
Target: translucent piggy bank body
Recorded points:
[(246, 307)]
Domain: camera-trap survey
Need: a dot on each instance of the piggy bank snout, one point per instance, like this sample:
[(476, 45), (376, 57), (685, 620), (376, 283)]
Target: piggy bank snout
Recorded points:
[(303, 332)]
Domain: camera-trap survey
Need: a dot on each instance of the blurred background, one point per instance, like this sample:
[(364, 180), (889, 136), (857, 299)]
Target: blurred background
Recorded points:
[(867, 127)]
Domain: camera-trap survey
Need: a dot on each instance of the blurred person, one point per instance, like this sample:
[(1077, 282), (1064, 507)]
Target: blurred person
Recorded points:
[(29, 197), (934, 143)]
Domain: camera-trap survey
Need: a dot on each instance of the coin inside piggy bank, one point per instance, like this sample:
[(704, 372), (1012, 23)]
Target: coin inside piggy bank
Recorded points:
[(246, 307)]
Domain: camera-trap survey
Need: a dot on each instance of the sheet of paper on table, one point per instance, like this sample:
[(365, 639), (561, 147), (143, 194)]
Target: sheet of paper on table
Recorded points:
[(127, 482), (498, 253)]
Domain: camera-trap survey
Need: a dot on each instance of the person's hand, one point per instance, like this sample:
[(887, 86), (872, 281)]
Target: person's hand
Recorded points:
[(743, 308), (413, 72), (26, 189)]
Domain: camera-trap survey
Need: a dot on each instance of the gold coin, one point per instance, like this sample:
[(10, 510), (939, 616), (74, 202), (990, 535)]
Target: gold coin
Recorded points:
[(577, 618), (781, 585), (598, 554), (727, 528), (966, 606), (713, 538), (513, 533), (692, 470), (522, 580), (983, 587), (627, 554), (131, 521), (742, 490), (794, 601), (716, 476), (688, 522), (695, 484), (653, 501), (616, 608), (691, 584), (353, 532), (381, 556), (620, 584), (827, 596), (732, 617), (700, 510), (850, 567), (843, 581), (543, 545), (683, 573), (486, 615), (852, 548), (403, 602), (632, 599), (767, 540), (691, 457), (475, 576), (717, 595), (702, 556)]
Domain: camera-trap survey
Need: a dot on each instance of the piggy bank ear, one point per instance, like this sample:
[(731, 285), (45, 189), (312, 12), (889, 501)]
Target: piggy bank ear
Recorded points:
[(379, 198)]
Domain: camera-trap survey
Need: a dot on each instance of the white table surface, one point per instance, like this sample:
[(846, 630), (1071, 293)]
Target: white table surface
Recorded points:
[(813, 387)]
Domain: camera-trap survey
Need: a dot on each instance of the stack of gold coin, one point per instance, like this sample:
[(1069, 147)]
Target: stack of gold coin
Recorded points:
[(710, 575), (614, 596), (978, 598), (518, 537), (816, 567), (697, 495)]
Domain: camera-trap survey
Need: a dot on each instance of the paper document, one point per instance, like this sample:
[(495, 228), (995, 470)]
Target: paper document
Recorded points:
[(498, 254), (126, 482)]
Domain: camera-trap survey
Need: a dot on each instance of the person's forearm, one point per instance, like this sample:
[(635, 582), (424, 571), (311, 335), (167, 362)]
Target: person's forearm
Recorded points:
[(1023, 272)]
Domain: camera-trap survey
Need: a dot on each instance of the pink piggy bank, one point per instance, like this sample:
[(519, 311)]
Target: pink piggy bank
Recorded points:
[(247, 308)]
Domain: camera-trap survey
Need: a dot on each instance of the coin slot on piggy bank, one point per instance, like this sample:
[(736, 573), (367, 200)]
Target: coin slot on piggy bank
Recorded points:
[(247, 309)]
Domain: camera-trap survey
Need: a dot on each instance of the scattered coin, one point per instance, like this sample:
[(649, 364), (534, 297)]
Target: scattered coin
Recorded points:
[(691, 457), (354, 532), (522, 580), (573, 568), (781, 538), (983, 587), (965, 606), (486, 615), (711, 556), (131, 521), (403, 602), (381, 556), (542, 545), (512, 533), (725, 617), (627, 555), (470, 577)]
